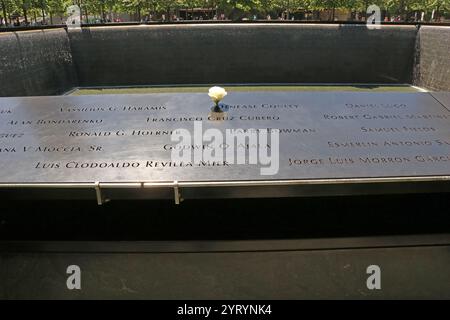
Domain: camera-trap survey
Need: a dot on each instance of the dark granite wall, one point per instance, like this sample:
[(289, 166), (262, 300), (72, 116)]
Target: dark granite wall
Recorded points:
[(243, 53), (432, 69), (45, 62), (35, 63)]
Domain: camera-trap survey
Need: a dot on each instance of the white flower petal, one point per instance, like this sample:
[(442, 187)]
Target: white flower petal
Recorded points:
[(217, 93)]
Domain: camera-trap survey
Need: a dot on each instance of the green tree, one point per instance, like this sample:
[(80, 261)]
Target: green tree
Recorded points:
[(8, 8)]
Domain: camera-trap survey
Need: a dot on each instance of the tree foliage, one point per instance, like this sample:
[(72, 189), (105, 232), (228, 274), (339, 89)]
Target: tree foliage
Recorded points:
[(43, 10)]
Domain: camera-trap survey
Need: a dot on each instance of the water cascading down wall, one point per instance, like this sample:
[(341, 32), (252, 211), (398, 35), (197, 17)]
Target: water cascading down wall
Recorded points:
[(54, 61)]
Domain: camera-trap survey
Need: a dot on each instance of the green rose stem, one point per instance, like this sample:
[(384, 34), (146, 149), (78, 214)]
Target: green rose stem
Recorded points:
[(216, 107)]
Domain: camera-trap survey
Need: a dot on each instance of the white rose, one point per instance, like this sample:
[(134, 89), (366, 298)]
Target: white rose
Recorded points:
[(217, 94)]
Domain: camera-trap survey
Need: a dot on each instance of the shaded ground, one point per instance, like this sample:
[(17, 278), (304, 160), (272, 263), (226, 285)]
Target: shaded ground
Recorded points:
[(237, 219)]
